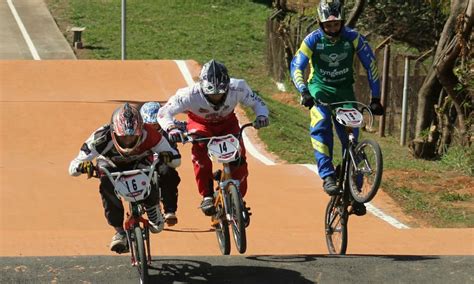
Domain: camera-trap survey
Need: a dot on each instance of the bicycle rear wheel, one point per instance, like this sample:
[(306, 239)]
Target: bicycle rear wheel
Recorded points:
[(138, 245), (336, 226), (222, 230), (237, 219), (366, 176)]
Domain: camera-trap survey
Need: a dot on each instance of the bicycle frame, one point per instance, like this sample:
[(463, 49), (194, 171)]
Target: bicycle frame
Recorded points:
[(227, 198), (349, 152), (223, 192), (348, 173), (135, 217)]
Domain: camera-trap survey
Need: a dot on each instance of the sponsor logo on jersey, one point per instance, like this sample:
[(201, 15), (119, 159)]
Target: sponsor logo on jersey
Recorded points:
[(319, 46), (333, 73), (203, 110), (333, 59)]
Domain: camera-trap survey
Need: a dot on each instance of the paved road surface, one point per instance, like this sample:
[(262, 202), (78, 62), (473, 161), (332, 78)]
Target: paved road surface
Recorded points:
[(299, 269)]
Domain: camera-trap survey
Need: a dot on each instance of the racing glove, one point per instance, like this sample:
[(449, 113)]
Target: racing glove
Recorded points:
[(307, 100), (261, 121), (165, 157), (376, 107), (86, 168), (175, 135)]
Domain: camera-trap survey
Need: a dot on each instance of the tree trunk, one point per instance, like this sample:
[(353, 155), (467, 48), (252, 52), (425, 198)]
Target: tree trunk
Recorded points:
[(446, 64), (355, 13), (441, 74), (427, 96)]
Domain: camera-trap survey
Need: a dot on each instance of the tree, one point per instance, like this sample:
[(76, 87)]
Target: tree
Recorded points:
[(441, 111)]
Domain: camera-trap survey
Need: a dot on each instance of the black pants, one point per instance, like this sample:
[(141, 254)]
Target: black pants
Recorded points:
[(169, 181), (113, 207), (114, 211)]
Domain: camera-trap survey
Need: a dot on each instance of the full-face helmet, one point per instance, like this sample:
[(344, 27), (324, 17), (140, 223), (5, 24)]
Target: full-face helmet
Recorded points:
[(214, 81), (328, 8), (127, 128), (328, 11)]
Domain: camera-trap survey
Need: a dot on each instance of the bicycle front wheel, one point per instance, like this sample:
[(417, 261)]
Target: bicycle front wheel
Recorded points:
[(140, 254), (237, 219), (365, 175), (335, 221), (222, 230)]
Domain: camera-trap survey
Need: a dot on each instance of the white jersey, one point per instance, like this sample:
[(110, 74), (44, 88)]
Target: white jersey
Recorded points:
[(191, 100)]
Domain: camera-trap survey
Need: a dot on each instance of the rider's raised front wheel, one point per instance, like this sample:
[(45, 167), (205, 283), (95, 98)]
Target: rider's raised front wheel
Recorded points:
[(237, 219), (140, 254), (336, 226), (366, 175), (222, 231)]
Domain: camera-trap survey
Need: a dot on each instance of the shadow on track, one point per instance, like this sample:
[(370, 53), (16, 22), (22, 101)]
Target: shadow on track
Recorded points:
[(192, 271)]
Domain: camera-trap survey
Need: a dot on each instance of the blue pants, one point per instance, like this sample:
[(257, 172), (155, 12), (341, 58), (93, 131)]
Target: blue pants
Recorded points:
[(322, 138)]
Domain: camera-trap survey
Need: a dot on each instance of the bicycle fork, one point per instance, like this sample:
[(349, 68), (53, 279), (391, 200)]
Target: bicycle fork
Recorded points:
[(130, 223)]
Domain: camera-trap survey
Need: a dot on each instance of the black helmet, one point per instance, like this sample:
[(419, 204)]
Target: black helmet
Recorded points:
[(329, 8), (214, 79)]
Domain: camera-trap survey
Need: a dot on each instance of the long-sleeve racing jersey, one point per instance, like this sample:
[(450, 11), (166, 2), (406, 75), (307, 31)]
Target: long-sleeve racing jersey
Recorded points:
[(191, 100), (100, 144), (332, 62)]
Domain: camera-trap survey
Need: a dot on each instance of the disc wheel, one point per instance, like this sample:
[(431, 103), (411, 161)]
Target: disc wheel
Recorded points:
[(336, 226), (222, 231), (365, 177), (140, 254), (237, 219)]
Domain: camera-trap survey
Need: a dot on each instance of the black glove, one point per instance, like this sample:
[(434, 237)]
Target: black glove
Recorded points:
[(86, 168), (261, 121), (376, 107), (175, 135), (165, 157), (306, 99)]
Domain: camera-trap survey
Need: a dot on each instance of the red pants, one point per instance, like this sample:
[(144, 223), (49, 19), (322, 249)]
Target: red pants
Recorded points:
[(201, 161)]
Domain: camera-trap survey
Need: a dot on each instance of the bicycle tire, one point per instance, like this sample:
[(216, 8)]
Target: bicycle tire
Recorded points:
[(364, 181), (237, 221), (222, 231), (140, 254), (336, 219)]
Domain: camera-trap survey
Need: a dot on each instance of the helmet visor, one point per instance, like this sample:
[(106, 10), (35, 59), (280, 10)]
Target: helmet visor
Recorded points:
[(128, 141), (211, 89)]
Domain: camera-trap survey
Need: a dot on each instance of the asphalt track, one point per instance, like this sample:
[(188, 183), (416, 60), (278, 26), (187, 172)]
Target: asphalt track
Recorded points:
[(52, 227)]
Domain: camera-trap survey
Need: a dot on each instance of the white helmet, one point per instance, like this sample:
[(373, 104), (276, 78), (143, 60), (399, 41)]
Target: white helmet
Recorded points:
[(329, 10)]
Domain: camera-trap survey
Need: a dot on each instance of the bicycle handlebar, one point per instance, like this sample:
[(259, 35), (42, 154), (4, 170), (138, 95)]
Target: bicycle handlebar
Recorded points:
[(188, 137), (364, 107), (118, 174)]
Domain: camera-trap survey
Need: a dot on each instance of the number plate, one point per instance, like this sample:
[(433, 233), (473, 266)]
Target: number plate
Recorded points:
[(133, 188), (350, 117), (224, 149)]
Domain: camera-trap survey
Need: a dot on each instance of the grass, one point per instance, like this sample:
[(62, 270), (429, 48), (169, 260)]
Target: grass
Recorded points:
[(233, 32), (440, 209)]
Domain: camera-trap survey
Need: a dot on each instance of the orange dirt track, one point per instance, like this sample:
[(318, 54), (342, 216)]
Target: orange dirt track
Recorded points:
[(48, 108)]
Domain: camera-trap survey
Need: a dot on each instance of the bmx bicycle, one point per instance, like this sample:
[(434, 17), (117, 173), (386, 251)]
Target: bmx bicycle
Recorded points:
[(359, 174), (228, 201), (134, 186)]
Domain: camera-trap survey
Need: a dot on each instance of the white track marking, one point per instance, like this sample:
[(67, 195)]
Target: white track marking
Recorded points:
[(27, 38), (185, 72), (255, 153)]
